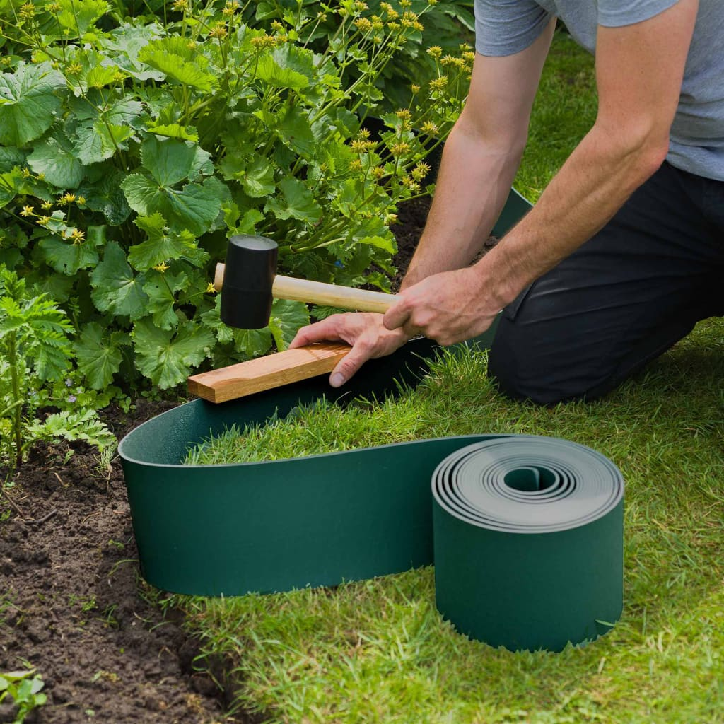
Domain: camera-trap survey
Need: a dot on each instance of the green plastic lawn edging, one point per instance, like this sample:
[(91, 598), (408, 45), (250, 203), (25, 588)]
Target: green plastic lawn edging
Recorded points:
[(526, 533)]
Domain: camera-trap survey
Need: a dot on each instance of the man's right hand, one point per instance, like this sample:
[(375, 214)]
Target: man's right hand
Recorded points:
[(365, 332)]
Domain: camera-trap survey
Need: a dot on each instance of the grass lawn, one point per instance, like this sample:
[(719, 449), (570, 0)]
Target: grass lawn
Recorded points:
[(377, 651)]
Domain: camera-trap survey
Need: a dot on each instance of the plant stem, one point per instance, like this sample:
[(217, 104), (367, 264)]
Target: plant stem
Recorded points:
[(15, 388)]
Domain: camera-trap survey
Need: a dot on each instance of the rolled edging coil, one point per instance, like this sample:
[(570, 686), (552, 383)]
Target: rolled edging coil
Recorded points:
[(528, 542)]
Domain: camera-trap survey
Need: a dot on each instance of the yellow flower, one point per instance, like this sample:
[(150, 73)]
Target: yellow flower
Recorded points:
[(362, 146), (435, 51), (415, 88), (26, 173), (263, 41), (363, 24), (210, 288), (27, 211), (356, 165), (404, 114), (218, 31), (405, 3), (74, 69), (420, 171), (77, 236), (161, 267), (180, 5), (430, 128), (392, 14), (44, 220), (438, 83), (67, 199), (81, 200), (46, 205), (53, 7), (27, 10), (399, 148), (378, 172), (409, 19)]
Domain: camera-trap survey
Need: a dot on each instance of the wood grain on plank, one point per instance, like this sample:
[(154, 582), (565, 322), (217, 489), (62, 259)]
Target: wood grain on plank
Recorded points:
[(265, 373)]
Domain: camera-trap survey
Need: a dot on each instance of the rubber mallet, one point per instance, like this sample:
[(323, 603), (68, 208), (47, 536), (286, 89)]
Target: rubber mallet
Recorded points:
[(248, 283)]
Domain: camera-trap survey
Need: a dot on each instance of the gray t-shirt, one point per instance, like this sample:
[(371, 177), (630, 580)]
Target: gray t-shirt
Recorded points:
[(504, 27)]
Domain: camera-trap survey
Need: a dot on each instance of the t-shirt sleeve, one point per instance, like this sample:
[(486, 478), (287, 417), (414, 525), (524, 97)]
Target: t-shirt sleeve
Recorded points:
[(616, 13), (505, 27)]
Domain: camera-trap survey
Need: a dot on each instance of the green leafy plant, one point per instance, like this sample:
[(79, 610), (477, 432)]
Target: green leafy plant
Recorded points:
[(35, 349), (25, 689), (132, 146), (447, 25)]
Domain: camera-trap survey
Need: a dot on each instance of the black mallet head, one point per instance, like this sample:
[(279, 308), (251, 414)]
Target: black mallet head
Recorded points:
[(246, 294)]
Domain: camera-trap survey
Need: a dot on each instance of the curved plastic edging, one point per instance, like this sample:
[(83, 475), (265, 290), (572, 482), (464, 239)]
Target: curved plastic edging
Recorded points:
[(271, 526)]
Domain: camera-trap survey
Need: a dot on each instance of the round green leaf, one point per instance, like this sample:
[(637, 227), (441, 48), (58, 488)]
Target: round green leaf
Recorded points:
[(29, 100), (55, 160)]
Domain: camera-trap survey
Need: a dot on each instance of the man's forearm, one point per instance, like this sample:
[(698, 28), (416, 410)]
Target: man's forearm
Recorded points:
[(590, 188), (473, 185)]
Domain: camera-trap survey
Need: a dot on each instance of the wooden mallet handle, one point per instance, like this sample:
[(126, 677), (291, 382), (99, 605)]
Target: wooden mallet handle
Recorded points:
[(301, 290)]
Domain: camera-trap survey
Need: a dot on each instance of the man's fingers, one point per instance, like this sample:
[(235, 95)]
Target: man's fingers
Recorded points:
[(325, 330), (350, 363), (397, 315)]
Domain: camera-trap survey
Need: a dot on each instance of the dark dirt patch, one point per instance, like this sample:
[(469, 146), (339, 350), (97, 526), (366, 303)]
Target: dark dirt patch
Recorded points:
[(411, 219), (73, 606)]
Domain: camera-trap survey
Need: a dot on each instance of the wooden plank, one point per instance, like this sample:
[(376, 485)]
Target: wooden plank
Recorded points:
[(265, 373)]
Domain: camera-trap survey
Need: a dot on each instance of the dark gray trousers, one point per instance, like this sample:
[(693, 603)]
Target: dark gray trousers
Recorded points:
[(622, 298)]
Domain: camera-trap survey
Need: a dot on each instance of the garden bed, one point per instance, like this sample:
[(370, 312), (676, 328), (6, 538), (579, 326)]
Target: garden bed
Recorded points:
[(73, 604)]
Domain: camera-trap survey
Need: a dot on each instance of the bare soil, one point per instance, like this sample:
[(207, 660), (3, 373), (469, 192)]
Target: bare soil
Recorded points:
[(73, 606), (411, 219)]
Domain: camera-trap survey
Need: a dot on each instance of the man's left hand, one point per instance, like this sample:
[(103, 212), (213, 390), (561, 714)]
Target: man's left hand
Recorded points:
[(449, 307)]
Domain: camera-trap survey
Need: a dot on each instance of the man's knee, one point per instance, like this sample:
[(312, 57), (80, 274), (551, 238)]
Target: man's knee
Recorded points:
[(525, 369)]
